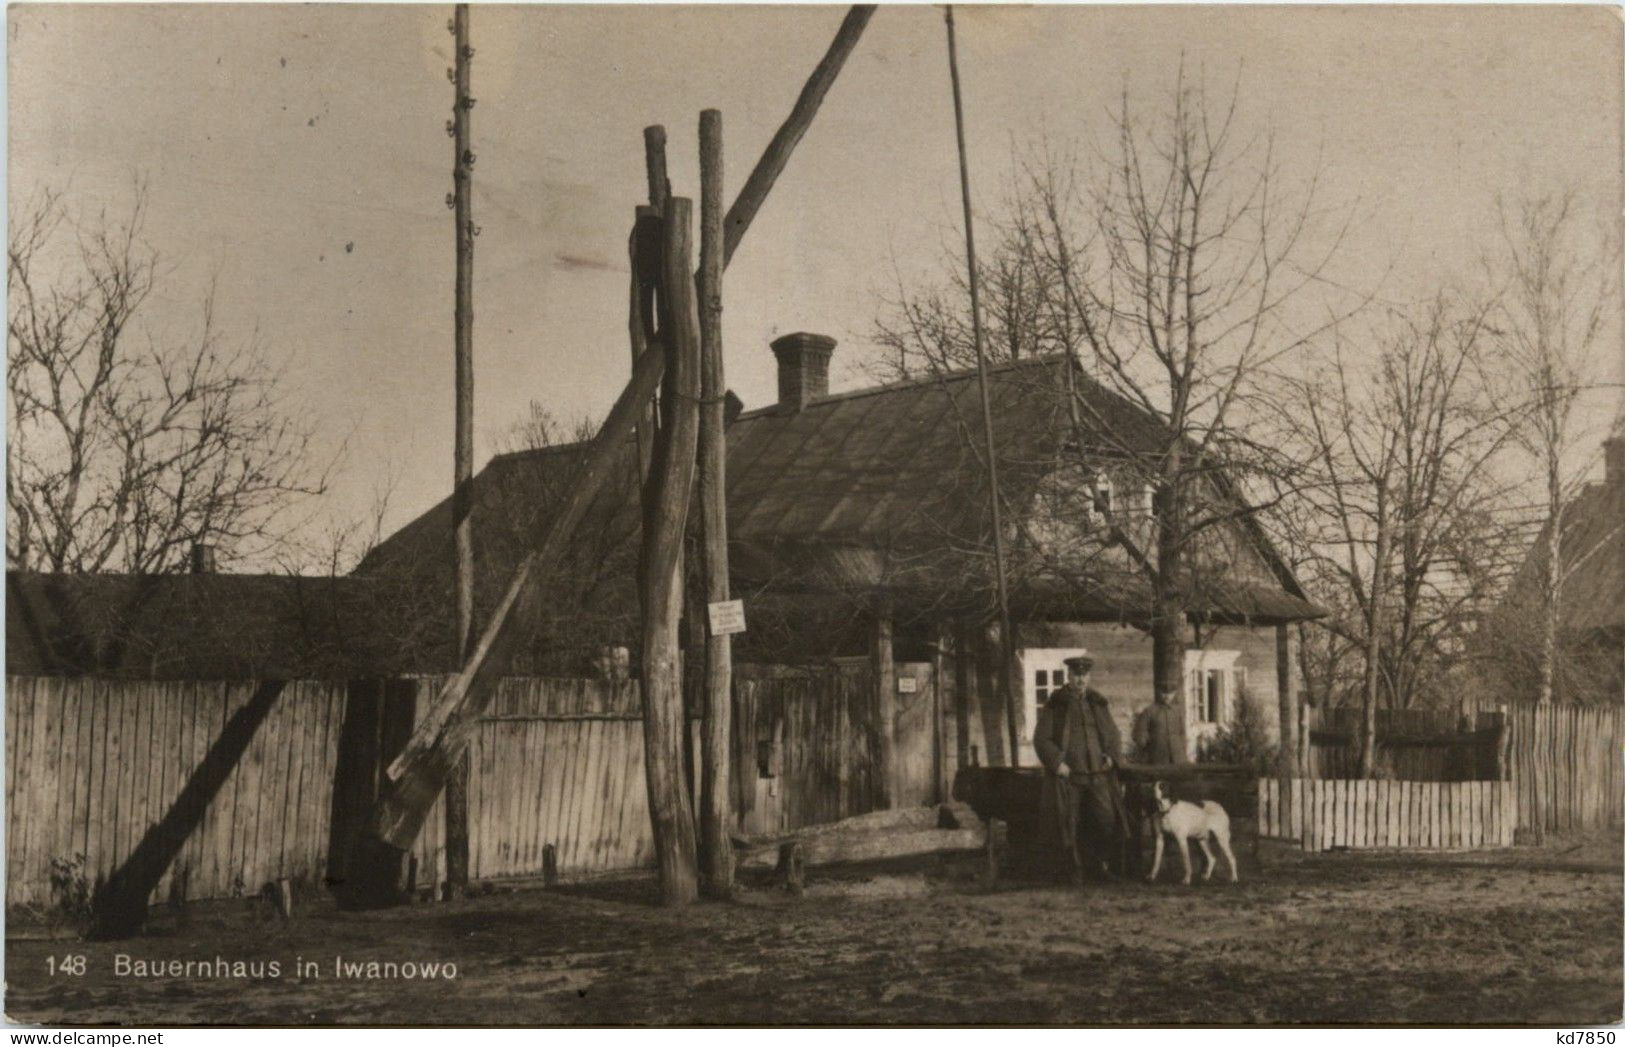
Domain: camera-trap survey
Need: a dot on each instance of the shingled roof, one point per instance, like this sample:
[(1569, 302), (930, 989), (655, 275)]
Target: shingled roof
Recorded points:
[(880, 488)]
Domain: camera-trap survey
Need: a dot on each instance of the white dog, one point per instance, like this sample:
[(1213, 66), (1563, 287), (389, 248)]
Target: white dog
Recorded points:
[(1186, 821)]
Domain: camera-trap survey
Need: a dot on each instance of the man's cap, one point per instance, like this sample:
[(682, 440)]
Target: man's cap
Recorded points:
[(1079, 663)]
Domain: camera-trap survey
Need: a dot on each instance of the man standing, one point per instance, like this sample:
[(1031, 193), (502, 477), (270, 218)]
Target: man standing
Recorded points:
[(1159, 731), (1079, 746)]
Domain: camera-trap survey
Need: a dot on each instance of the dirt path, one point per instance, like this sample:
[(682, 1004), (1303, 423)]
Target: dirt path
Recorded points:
[(1501, 937)]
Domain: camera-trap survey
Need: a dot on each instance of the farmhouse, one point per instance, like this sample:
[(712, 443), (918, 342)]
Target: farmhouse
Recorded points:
[(858, 523)]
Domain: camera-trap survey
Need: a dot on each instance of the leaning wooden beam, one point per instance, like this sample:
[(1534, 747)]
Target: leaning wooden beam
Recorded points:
[(660, 575), (419, 773), (768, 168)]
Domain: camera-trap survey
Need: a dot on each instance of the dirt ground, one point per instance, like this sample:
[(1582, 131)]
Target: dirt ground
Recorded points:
[(1521, 936)]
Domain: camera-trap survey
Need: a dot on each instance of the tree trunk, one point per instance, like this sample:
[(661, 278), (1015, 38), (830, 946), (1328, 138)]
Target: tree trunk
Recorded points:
[(659, 566), (1552, 587), (716, 846), (1373, 652), (1168, 606)]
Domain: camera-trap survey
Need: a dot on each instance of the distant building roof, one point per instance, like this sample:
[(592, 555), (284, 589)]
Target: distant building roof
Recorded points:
[(205, 626), (1593, 556)]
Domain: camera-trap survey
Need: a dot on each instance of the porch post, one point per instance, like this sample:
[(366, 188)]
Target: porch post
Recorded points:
[(1287, 692), (884, 671), (939, 713)]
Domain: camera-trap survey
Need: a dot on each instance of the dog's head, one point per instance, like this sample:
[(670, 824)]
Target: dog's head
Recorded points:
[(1159, 799)]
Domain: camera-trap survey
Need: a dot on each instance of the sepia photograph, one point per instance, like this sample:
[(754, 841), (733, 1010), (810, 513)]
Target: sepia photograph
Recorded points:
[(667, 515)]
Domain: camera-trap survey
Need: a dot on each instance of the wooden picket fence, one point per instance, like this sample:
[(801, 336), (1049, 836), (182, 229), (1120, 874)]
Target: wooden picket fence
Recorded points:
[(1322, 814)]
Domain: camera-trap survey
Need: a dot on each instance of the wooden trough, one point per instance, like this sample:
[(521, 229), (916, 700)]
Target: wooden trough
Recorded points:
[(866, 837), (1012, 794)]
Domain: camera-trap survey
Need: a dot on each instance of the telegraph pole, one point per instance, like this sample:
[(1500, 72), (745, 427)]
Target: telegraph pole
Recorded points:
[(1006, 639), (463, 492)]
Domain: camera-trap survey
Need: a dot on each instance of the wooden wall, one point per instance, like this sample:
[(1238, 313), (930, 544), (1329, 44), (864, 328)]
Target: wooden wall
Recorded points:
[(92, 765)]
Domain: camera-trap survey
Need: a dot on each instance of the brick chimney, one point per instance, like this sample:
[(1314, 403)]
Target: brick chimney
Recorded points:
[(202, 558), (803, 368)]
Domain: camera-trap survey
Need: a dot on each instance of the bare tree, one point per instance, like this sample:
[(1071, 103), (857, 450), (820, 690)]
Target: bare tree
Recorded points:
[(1402, 435), (125, 446), (1178, 270), (1560, 294)]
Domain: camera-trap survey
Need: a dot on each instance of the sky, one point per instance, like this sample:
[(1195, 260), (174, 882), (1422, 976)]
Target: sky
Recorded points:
[(297, 157)]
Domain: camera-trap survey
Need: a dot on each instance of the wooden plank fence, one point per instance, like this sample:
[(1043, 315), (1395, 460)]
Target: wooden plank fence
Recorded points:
[(1428, 745), (1359, 814), (92, 765), (1566, 761)]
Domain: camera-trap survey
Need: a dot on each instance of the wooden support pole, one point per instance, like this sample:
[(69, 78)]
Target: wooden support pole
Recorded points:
[(462, 508), (884, 671), (768, 168), (660, 578), (420, 772), (716, 808), (645, 275)]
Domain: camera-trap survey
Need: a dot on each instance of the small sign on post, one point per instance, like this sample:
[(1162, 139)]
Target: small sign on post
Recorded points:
[(727, 617), (907, 685)]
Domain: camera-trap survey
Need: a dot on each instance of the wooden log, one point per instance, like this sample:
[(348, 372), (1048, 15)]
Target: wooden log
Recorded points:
[(716, 852), (754, 192), (660, 581), (841, 847)]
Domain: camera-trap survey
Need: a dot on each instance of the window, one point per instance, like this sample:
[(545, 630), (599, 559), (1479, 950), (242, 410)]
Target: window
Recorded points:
[(1046, 682), (1212, 680)]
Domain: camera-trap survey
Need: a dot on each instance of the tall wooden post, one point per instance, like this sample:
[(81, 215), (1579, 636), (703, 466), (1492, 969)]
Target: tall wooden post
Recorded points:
[(716, 847), (1007, 637), (884, 672), (463, 483), (660, 577)]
